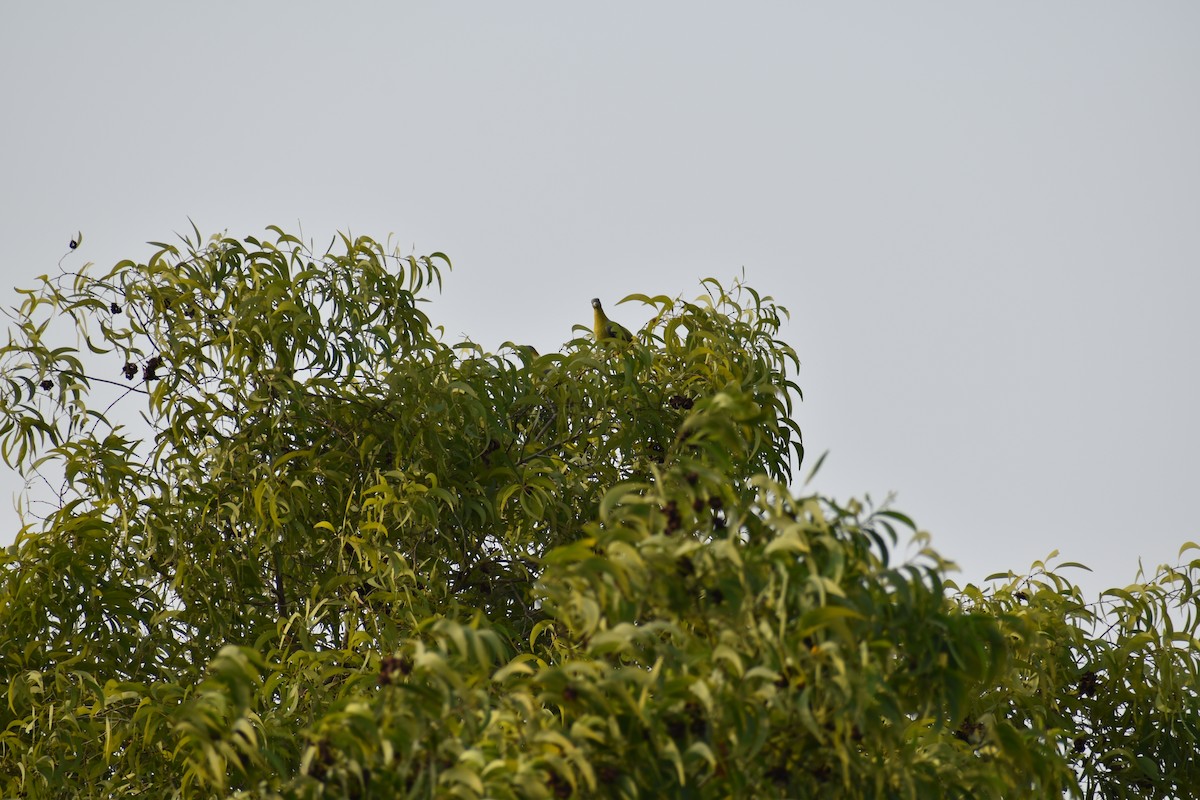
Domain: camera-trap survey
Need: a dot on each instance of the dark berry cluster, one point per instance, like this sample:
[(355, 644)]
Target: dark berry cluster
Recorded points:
[(390, 665), (150, 371), (674, 521)]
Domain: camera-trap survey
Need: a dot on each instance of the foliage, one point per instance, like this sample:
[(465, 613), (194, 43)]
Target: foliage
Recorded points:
[(340, 558)]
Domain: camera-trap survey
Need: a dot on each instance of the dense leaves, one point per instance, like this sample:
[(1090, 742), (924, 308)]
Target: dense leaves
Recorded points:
[(299, 547)]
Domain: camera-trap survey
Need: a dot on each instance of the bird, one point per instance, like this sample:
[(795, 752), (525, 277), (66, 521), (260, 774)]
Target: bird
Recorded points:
[(605, 328)]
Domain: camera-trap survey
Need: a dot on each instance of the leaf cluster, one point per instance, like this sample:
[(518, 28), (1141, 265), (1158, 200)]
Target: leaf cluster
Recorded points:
[(337, 557)]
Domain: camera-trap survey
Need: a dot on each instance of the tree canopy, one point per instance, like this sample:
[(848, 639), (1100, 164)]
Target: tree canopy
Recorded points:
[(301, 547)]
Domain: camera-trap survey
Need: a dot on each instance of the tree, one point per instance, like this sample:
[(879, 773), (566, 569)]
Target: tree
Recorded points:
[(340, 558)]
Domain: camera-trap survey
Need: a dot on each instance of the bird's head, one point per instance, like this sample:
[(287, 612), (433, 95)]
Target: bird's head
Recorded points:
[(596, 303)]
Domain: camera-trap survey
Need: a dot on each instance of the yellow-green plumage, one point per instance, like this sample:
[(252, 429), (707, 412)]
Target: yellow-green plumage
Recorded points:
[(605, 328)]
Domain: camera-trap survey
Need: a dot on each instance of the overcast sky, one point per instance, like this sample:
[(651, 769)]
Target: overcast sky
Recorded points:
[(984, 218)]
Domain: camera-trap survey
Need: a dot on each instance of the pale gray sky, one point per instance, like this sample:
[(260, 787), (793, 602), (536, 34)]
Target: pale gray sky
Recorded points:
[(985, 218)]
